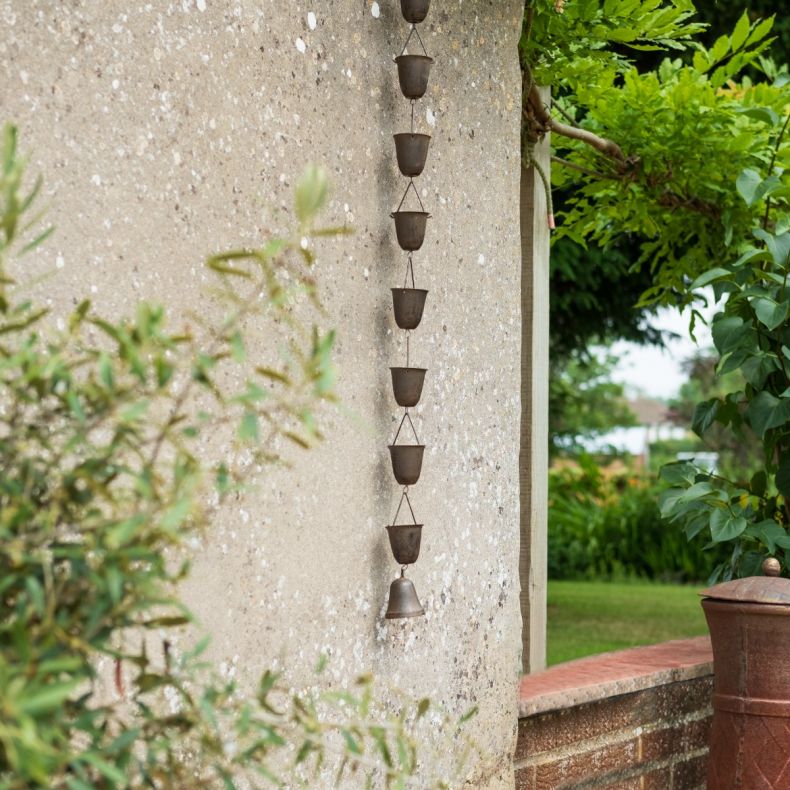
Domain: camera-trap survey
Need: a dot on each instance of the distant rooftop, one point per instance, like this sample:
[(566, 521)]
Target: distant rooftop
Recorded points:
[(649, 411)]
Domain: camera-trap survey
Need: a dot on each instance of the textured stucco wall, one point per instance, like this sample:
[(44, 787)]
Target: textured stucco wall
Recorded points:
[(167, 130)]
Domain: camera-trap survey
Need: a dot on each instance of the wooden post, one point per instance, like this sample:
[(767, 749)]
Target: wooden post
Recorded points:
[(534, 453)]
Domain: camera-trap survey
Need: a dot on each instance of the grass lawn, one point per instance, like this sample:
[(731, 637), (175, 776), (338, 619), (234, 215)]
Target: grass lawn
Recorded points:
[(594, 617)]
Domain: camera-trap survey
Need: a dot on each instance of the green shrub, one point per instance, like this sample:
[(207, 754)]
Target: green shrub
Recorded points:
[(103, 483), (607, 525)]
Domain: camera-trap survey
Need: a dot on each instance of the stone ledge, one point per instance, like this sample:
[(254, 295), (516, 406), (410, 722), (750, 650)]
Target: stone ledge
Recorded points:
[(612, 674)]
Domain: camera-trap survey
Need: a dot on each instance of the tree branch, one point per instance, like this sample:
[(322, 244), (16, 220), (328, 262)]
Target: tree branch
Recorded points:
[(607, 147), (586, 171), (771, 169)]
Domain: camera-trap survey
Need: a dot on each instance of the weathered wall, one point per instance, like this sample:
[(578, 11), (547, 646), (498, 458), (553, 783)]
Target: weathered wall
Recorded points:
[(167, 130), (653, 739), (636, 719)]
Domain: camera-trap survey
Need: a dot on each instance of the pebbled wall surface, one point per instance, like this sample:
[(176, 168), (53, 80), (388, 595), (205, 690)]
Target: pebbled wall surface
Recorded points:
[(170, 130)]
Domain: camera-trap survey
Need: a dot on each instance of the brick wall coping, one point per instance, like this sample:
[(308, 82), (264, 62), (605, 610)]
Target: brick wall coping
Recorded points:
[(610, 674)]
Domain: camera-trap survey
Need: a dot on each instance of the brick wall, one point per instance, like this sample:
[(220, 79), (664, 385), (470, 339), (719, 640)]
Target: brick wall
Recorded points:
[(635, 720)]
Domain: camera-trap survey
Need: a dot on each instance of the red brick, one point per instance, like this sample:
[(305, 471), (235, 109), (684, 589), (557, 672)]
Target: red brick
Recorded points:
[(672, 741), (656, 780), (545, 732), (548, 731), (633, 783), (676, 699), (585, 765), (638, 662), (525, 778), (691, 774)]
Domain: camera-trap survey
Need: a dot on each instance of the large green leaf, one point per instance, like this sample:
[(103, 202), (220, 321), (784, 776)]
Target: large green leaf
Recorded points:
[(729, 332), (767, 411), (704, 416), (758, 367), (726, 526), (769, 312), (778, 245), (748, 185), (772, 535), (706, 278), (678, 473)]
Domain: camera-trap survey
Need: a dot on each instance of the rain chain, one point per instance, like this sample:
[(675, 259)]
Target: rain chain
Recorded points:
[(408, 302)]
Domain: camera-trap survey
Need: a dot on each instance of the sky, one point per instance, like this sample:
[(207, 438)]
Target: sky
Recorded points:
[(657, 372)]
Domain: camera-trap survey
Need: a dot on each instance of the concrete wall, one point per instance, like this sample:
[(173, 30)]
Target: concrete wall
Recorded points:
[(167, 130)]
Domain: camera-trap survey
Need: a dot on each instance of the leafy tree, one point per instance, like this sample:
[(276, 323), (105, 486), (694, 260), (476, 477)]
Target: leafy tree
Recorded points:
[(649, 154), (691, 158), (105, 478), (596, 292), (720, 17), (751, 333), (739, 456), (584, 402)]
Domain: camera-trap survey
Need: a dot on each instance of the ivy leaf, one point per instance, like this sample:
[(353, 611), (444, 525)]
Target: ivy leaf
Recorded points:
[(783, 476), (724, 526), (706, 278), (669, 500), (769, 312), (772, 535), (758, 367), (748, 184), (778, 246), (753, 188), (697, 491), (704, 416), (728, 333), (696, 525), (678, 473), (767, 411)]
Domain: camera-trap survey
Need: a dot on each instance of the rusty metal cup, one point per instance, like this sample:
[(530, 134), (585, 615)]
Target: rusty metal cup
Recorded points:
[(408, 305), (406, 462), (407, 385), (403, 601), (412, 152), (405, 542), (749, 623), (413, 74), (415, 11), (410, 228)]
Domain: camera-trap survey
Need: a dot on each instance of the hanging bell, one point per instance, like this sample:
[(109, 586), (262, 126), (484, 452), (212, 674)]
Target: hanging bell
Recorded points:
[(403, 600)]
